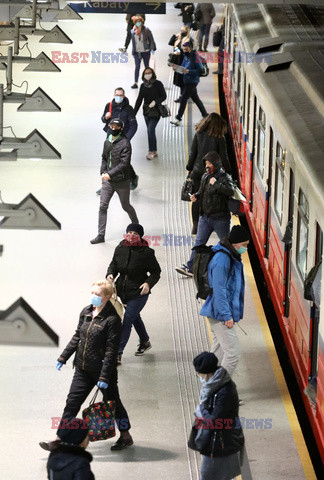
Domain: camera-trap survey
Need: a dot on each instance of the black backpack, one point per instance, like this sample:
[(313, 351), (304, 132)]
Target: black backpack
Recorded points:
[(204, 71), (309, 280), (203, 256)]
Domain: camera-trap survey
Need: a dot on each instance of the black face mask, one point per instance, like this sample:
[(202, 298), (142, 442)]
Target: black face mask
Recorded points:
[(115, 132), (187, 54)]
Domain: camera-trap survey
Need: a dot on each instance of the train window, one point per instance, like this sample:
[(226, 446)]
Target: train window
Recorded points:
[(261, 141), (248, 111), (244, 98), (279, 181), (302, 234)]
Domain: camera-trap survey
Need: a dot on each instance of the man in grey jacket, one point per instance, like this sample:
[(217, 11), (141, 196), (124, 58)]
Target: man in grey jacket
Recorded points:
[(115, 176), (204, 15)]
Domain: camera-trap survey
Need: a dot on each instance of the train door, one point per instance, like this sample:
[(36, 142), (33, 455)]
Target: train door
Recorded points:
[(267, 219), (314, 320), (288, 244), (253, 149)]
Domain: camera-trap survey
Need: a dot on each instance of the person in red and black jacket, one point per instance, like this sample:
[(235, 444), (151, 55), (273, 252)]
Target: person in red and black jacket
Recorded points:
[(95, 345)]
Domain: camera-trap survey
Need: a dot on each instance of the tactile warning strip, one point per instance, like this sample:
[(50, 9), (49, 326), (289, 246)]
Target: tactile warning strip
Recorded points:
[(188, 327)]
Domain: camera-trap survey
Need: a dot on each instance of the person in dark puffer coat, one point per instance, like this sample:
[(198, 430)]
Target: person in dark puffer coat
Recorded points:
[(68, 459), (216, 188), (133, 260), (217, 433)]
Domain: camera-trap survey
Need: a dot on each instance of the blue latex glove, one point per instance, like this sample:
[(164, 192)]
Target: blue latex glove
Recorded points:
[(59, 365), (102, 385)]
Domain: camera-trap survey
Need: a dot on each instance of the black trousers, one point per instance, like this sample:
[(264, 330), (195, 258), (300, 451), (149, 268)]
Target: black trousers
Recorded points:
[(82, 383), (190, 91)]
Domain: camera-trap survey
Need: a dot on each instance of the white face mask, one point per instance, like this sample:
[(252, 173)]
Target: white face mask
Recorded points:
[(148, 76)]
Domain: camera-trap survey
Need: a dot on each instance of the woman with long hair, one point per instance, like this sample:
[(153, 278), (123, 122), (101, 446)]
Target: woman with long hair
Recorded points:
[(143, 44), (209, 137), (176, 57)]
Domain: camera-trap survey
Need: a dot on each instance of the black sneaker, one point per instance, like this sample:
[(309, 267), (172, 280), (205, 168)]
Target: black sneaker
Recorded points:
[(98, 239), (142, 348), (184, 270), (178, 100), (134, 182), (134, 86)]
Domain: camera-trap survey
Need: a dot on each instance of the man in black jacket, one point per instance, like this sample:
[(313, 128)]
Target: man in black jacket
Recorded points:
[(215, 189), (114, 173), (138, 271), (120, 108)]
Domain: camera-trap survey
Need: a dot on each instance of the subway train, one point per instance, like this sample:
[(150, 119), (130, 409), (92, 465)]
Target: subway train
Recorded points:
[(274, 93)]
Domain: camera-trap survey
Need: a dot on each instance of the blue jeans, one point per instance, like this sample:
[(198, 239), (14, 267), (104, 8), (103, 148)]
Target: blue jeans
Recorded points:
[(138, 56), (132, 317), (151, 123), (206, 226)]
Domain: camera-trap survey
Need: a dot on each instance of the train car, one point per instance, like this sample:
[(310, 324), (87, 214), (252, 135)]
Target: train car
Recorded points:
[(274, 88)]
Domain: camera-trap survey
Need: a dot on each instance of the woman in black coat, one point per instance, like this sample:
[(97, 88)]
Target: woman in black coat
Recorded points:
[(153, 93), (217, 432), (209, 137), (95, 345), (138, 272), (68, 459)]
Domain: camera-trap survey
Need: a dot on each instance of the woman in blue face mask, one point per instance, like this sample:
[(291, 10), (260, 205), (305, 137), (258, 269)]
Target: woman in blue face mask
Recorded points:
[(143, 43), (216, 432), (95, 345)]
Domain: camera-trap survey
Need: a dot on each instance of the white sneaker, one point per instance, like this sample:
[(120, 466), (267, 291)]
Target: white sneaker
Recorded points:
[(123, 50)]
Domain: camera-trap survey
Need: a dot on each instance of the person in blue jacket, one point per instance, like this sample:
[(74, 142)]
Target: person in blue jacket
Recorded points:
[(224, 307), (120, 108), (191, 76)]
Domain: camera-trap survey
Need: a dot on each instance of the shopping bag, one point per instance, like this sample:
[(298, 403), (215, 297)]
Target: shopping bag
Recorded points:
[(100, 418), (236, 202)]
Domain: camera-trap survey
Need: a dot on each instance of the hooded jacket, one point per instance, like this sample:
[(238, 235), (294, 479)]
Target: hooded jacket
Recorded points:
[(116, 158), (227, 281), (133, 263), (69, 462), (214, 198), (124, 112), (219, 432), (95, 341), (192, 63), (203, 143)]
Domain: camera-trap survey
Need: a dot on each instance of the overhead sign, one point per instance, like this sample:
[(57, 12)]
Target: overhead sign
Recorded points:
[(119, 7)]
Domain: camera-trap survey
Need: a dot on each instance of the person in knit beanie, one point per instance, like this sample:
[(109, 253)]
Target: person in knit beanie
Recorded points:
[(225, 304)]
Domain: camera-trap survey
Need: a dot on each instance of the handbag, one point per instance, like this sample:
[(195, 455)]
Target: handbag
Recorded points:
[(100, 418), (117, 303), (236, 202), (187, 189), (164, 111), (172, 40), (217, 37)]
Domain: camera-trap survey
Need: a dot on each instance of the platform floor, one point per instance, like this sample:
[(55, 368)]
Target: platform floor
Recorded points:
[(53, 272)]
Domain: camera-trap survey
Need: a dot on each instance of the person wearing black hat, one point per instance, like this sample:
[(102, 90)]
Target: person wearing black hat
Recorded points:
[(224, 307), (115, 176), (68, 459), (191, 73), (214, 216), (139, 271), (217, 433)]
